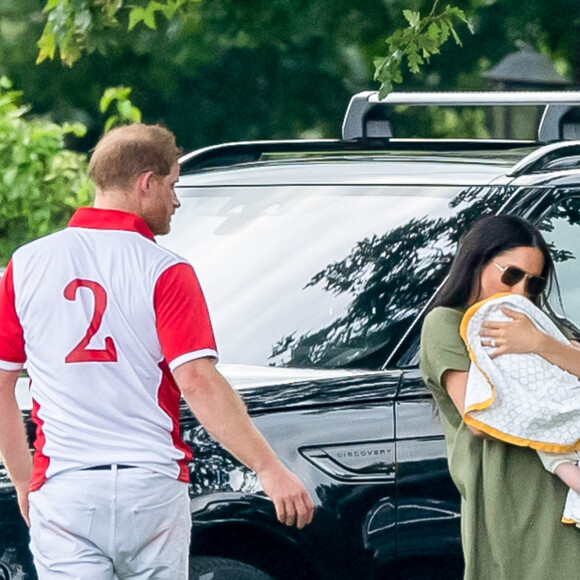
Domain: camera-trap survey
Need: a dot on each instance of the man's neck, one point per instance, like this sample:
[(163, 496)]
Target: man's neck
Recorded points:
[(116, 200)]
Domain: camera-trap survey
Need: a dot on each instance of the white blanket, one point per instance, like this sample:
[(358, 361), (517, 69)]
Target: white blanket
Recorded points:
[(519, 398)]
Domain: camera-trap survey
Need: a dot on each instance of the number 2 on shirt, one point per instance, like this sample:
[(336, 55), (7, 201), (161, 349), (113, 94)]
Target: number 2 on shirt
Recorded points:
[(80, 353)]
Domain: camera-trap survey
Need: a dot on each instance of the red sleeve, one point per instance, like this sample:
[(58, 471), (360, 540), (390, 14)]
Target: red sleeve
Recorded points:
[(183, 323), (12, 355)]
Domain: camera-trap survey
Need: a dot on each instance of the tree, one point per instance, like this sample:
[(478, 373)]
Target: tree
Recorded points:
[(417, 43), (42, 182), (219, 53), (221, 71), (254, 51), (73, 26)]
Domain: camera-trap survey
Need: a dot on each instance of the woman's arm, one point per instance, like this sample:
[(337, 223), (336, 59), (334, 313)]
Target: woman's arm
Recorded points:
[(566, 356), (455, 383), (520, 335)]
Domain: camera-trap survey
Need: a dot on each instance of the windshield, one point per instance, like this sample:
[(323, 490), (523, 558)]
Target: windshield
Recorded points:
[(325, 276)]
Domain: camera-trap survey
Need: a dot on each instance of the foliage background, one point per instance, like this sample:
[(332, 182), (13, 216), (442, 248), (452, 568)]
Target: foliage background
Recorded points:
[(263, 69), (230, 70)]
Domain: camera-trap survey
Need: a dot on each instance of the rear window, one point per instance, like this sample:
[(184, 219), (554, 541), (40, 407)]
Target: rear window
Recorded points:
[(320, 276)]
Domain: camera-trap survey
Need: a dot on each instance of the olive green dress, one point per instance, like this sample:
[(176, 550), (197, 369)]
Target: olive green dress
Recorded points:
[(510, 505)]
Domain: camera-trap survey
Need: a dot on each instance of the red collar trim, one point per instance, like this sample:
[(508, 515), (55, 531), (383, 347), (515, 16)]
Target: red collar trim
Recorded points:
[(109, 219)]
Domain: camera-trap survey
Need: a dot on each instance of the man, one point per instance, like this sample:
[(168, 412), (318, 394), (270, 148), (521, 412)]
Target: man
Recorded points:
[(113, 328)]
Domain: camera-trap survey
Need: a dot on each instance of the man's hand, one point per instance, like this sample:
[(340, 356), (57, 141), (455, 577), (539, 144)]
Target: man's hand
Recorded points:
[(22, 494), (291, 500), (13, 442), (222, 412)]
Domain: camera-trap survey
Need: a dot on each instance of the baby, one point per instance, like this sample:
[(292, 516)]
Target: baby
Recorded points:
[(523, 399)]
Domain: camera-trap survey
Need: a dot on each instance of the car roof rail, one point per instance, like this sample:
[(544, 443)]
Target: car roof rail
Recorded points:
[(242, 152), (552, 157), (368, 117), (228, 154)]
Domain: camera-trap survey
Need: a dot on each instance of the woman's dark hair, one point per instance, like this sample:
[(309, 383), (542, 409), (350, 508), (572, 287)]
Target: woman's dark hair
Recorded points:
[(487, 238)]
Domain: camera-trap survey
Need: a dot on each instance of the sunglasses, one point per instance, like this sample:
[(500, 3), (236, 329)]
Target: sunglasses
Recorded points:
[(512, 275)]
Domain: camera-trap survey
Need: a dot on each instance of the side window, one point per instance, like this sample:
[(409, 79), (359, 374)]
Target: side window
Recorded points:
[(561, 229)]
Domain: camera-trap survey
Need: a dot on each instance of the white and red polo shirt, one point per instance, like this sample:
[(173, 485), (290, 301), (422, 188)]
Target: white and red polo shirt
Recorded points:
[(101, 315)]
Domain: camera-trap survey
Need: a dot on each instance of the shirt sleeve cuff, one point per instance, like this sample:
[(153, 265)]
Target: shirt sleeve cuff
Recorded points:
[(189, 356), (10, 366)]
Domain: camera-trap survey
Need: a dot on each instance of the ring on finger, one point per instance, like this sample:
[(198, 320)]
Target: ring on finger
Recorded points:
[(492, 343)]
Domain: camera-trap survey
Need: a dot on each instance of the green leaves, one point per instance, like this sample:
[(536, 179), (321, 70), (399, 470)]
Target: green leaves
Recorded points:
[(73, 24), (412, 17), (126, 113), (417, 43), (41, 181), (68, 25), (147, 14)]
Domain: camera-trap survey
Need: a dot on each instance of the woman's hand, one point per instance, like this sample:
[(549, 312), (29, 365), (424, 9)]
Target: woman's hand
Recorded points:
[(519, 335)]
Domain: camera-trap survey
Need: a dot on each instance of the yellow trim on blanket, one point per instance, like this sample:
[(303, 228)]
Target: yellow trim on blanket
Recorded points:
[(484, 404), (496, 434), (567, 521), (537, 445), (463, 333)]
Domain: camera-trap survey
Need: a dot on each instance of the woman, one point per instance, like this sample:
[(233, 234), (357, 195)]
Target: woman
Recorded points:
[(510, 505)]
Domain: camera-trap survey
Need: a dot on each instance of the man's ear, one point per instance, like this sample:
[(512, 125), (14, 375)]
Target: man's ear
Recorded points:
[(144, 181)]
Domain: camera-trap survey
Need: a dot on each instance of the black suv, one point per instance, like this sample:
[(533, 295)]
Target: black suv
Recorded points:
[(318, 260)]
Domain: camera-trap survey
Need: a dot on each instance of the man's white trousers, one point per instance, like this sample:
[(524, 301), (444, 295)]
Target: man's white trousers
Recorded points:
[(111, 524)]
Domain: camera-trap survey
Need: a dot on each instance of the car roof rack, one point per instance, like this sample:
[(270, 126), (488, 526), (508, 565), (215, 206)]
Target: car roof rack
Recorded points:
[(369, 117)]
